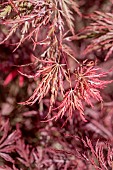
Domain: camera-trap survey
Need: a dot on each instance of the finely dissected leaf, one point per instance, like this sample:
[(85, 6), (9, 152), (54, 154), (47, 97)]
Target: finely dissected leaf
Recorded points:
[(98, 157), (29, 21), (88, 82), (52, 81), (7, 142), (32, 17), (24, 152), (70, 103), (67, 12), (101, 32)]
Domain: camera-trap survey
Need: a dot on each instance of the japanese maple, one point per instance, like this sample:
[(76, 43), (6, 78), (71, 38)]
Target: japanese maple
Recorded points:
[(55, 70)]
